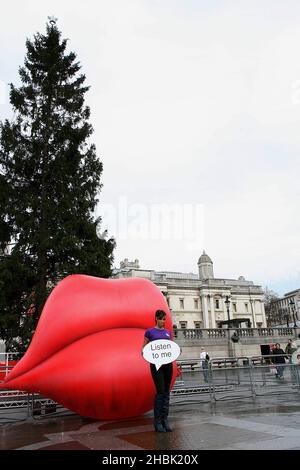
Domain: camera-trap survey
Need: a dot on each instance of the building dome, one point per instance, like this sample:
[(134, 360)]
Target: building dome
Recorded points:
[(205, 266), (204, 258)]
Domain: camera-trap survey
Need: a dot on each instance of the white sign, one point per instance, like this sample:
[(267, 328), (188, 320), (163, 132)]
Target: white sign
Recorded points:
[(161, 351)]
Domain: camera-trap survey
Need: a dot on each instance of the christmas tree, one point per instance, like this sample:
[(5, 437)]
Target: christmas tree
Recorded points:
[(50, 183)]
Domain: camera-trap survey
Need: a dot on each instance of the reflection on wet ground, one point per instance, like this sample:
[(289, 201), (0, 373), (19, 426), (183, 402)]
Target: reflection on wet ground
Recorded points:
[(268, 422)]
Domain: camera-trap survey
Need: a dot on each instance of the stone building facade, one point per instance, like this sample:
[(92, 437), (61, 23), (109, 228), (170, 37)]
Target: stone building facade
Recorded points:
[(199, 300), (285, 311)]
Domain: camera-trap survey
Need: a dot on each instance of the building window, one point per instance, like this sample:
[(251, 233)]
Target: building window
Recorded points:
[(196, 304), (246, 307), (197, 324), (181, 301), (217, 304), (183, 325), (234, 307)]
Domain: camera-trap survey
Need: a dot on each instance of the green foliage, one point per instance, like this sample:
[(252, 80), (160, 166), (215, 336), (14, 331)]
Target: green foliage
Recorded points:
[(50, 182)]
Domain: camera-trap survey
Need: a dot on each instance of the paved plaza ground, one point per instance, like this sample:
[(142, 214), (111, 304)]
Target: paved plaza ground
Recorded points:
[(267, 422)]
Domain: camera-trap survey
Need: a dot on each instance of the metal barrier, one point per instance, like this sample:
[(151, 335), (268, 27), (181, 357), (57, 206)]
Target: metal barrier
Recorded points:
[(16, 405), (224, 378), (236, 378), (7, 362)]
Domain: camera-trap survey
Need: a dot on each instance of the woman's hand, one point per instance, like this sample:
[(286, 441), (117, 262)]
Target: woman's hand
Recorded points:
[(146, 341)]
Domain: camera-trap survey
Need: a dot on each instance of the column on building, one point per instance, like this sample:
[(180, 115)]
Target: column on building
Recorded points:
[(204, 311), (263, 314), (212, 311), (252, 303)]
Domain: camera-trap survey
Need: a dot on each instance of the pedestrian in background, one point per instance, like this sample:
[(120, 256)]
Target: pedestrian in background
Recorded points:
[(278, 360), (204, 362), (290, 348), (297, 351)]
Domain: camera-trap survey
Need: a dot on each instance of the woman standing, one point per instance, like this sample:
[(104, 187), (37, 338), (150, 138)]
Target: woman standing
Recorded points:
[(296, 352), (290, 348), (161, 377)]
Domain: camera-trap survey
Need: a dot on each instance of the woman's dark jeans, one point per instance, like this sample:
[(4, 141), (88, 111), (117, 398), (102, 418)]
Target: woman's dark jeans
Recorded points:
[(162, 377)]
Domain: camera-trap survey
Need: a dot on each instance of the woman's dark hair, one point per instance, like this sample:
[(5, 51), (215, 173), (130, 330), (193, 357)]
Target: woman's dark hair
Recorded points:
[(160, 314)]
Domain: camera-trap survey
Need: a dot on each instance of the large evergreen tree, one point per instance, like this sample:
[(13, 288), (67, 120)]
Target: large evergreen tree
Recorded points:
[(52, 179)]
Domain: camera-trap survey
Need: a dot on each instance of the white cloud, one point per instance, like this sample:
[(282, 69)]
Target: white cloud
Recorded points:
[(192, 102)]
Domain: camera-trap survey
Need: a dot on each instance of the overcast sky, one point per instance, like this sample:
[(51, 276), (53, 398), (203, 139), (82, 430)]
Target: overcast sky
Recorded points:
[(196, 111)]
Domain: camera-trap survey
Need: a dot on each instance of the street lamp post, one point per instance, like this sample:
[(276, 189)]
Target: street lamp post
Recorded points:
[(234, 338), (292, 307), (227, 302), (287, 317)]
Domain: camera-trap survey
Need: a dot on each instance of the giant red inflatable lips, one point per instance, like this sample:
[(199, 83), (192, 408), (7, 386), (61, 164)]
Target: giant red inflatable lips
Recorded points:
[(86, 351)]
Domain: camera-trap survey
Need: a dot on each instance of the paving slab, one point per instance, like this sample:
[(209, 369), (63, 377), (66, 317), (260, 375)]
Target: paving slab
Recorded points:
[(266, 423)]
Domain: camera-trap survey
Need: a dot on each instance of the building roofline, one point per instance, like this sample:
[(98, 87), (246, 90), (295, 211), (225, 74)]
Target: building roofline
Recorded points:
[(291, 292)]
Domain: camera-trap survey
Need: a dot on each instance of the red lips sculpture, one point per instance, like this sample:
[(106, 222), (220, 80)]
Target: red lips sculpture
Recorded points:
[(86, 351)]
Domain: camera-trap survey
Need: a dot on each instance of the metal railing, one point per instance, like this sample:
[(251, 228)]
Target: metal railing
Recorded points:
[(17, 405), (237, 377), (7, 362), (221, 378)]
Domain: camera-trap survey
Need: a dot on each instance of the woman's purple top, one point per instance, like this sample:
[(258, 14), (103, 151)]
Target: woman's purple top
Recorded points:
[(154, 333)]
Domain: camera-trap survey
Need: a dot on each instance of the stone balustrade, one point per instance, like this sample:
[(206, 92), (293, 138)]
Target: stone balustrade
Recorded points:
[(222, 333), (218, 341)]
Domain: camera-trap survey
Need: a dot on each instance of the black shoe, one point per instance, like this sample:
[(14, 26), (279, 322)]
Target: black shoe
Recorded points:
[(167, 426), (159, 427)]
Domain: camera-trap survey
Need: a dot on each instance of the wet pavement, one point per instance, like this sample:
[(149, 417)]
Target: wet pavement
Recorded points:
[(266, 422)]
